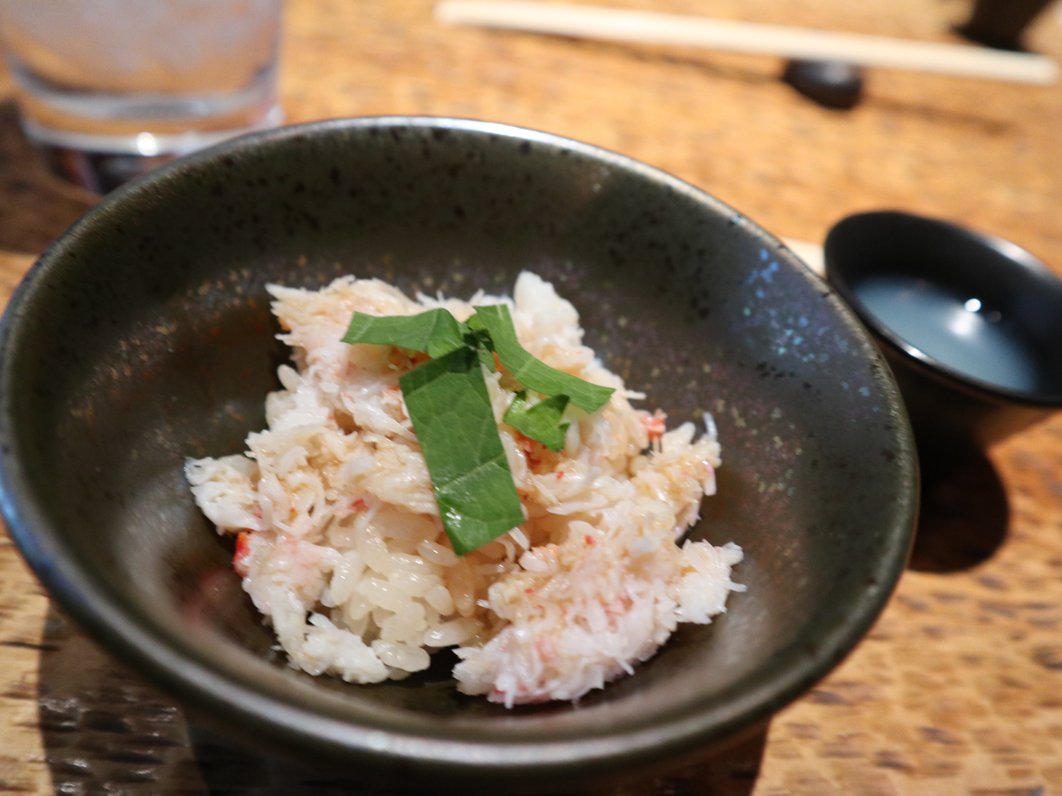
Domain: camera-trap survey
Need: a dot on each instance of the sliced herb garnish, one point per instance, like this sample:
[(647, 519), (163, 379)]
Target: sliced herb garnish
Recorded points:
[(450, 408), (541, 421), (531, 372), (435, 332), (448, 403)]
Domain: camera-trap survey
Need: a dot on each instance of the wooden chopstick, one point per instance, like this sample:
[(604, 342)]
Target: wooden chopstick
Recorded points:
[(810, 253), (746, 37)]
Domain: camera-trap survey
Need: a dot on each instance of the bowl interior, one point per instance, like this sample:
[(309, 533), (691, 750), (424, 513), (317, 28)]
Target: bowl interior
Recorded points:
[(144, 337), (976, 309)]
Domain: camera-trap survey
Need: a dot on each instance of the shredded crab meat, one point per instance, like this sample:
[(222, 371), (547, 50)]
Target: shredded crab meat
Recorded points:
[(340, 546)]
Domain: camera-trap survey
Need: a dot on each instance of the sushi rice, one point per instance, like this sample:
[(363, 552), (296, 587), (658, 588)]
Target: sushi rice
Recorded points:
[(340, 545)]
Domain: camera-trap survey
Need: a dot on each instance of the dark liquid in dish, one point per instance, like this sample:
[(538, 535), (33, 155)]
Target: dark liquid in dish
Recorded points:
[(962, 333)]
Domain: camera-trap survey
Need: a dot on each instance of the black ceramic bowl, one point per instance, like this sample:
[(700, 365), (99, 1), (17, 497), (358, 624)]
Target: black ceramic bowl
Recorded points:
[(143, 336), (970, 324)]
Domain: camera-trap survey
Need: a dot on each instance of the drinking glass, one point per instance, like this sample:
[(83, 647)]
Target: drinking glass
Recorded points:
[(109, 88)]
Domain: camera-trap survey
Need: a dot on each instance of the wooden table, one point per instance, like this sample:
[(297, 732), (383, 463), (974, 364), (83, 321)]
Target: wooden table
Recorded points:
[(958, 688)]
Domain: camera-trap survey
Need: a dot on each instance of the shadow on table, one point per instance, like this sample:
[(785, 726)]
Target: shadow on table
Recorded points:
[(37, 206), (964, 514), (739, 69), (699, 62), (105, 730), (229, 769), (900, 107)]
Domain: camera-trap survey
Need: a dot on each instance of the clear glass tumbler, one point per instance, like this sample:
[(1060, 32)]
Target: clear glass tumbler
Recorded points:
[(110, 88)]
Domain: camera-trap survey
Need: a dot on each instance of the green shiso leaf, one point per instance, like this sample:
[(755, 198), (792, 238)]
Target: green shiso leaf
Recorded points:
[(541, 421), (435, 332), (448, 403), (476, 337), (529, 371)]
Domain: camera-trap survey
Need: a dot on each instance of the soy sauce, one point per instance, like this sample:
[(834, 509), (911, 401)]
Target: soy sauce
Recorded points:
[(961, 332)]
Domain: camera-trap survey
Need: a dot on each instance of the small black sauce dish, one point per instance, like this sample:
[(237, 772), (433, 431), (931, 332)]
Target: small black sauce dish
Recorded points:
[(970, 324)]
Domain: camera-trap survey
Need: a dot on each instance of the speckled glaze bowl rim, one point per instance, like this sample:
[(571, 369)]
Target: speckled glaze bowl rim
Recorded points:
[(509, 756), (1024, 261)]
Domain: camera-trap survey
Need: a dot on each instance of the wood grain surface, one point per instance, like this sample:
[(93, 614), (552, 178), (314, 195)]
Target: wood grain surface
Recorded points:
[(958, 688)]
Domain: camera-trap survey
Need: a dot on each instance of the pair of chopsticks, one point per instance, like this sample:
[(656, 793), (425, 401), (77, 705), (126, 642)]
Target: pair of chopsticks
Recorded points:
[(597, 22)]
